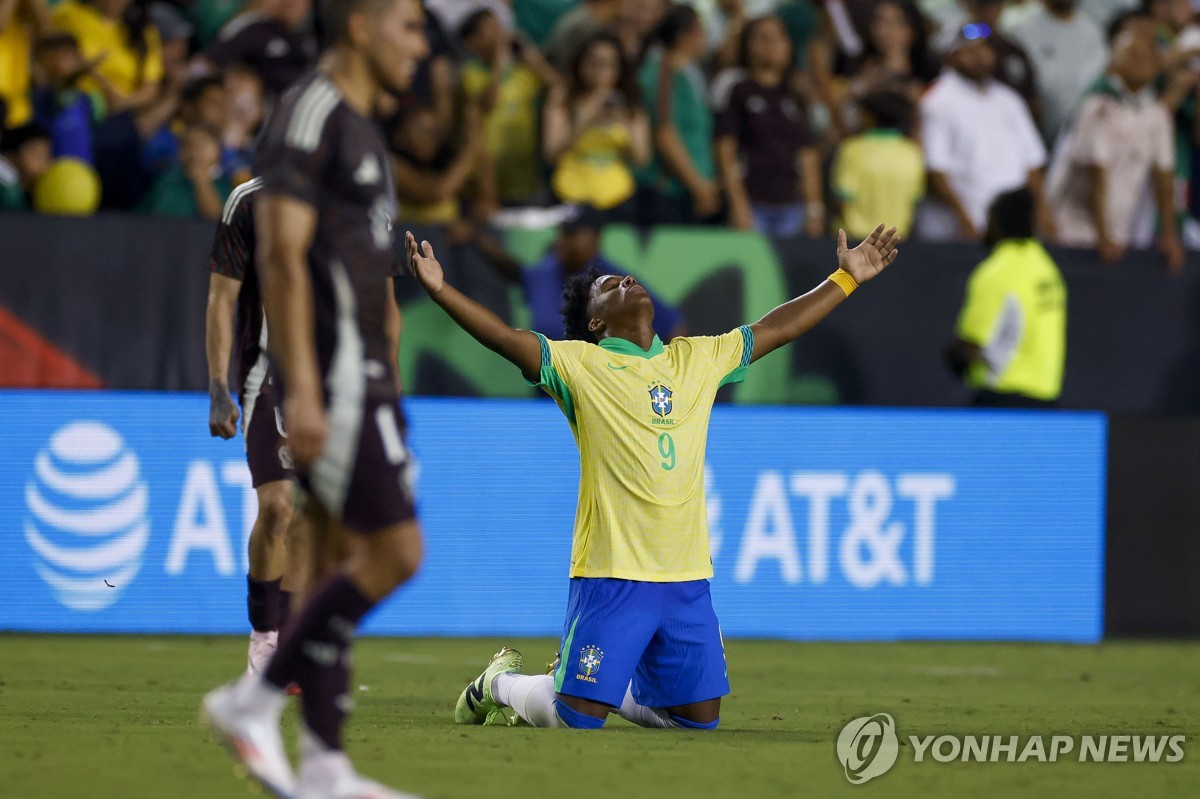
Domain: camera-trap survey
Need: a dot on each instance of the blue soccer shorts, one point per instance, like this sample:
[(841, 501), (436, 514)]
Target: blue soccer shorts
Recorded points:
[(662, 637)]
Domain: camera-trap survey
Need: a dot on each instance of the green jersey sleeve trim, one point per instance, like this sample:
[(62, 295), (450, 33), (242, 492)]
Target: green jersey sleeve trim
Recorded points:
[(739, 374), (552, 383)]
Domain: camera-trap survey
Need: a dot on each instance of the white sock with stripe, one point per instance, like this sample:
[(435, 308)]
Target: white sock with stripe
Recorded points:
[(655, 717), (530, 696)]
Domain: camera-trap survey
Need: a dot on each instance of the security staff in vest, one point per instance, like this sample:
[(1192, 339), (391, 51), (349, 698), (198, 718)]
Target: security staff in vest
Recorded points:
[(1011, 338)]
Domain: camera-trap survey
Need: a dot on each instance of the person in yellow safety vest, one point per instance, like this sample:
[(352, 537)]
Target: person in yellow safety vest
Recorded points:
[(1011, 338)]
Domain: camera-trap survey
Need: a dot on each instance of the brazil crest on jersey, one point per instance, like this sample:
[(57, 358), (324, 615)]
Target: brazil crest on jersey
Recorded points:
[(640, 419)]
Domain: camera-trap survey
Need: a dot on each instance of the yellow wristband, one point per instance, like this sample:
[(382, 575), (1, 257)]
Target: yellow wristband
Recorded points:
[(845, 281)]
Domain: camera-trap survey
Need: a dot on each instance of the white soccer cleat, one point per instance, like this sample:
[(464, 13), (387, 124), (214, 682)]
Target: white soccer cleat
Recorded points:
[(352, 786), (262, 649), (326, 774), (244, 715)]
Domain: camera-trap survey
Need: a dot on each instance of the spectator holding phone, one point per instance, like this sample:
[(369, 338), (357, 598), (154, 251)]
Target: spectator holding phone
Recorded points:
[(595, 131), (505, 77)]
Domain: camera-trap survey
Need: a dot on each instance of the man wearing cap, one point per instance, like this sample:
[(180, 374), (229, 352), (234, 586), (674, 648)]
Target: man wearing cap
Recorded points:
[(978, 137), (1013, 65)]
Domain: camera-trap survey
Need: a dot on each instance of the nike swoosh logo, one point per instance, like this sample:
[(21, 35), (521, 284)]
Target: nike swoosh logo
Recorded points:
[(617, 368)]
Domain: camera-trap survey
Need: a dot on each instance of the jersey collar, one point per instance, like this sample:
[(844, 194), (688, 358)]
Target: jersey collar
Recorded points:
[(623, 346)]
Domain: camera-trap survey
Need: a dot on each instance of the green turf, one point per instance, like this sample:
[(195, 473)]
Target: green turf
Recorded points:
[(116, 717)]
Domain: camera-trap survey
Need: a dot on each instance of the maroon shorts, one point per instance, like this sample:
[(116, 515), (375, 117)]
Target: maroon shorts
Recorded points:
[(266, 443), (363, 476)]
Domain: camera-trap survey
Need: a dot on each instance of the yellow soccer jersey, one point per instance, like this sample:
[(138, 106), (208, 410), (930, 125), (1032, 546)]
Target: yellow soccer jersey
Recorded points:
[(640, 419)]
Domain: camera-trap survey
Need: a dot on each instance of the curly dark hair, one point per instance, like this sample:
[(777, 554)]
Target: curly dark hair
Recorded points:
[(576, 294)]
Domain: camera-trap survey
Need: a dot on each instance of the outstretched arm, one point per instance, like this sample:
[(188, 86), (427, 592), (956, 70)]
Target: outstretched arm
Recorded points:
[(793, 319), (520, 347)]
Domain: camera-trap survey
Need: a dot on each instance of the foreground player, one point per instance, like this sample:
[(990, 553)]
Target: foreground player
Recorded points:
[(640, 634), (326, 253), (233, 291)]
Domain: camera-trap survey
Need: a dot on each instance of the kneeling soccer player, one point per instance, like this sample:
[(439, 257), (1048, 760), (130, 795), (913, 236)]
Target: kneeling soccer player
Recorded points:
[(640, 635)]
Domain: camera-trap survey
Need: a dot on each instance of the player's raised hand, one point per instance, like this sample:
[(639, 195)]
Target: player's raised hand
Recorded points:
[(222, 413), (870, 257), (423, 265), (304, 420)]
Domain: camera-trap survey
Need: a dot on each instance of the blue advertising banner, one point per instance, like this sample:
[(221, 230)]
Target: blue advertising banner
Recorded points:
[(118, 513)]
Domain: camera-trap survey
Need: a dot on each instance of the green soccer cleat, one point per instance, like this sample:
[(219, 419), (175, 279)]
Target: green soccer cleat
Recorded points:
[(476, 701), (499, 717)]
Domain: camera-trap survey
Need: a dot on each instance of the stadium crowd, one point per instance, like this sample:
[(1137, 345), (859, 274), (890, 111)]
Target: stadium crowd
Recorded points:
[(784, 116)]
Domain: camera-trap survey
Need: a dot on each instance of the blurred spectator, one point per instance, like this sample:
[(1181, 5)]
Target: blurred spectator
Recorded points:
[(537, 18), (1013, 66), (1068, 53), (435, 83), (25, 155), (175, 32), (724, 21), (770, 170), (1119, 152), (430, 174), (595, 131), (577, 26), (678, 186), (978, 137), (247, 110), (802, 19), (635, 23), (576, 250), (848, 23), (842, 46), (69, 114), (203, 102), (896, 54), (1170, 17), (21, 21), (269, 39), (505, 77), (211, 15), (1105, 11), (1011, 337), (119, 36), (195, 186), (453, 13), (880, 173)]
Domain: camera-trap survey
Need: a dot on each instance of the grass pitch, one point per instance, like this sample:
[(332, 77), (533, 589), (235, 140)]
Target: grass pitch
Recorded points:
[(116, 718)]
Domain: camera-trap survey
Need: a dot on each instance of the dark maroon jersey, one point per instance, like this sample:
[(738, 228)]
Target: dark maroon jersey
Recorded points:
[(233, 256), (320, 151)]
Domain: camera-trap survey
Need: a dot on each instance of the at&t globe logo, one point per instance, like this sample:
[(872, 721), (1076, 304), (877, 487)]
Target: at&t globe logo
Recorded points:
[(87, 515), (868, 747)]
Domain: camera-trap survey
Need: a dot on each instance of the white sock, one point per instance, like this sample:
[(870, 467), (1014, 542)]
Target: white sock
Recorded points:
[(631, 711), (531, 696)]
